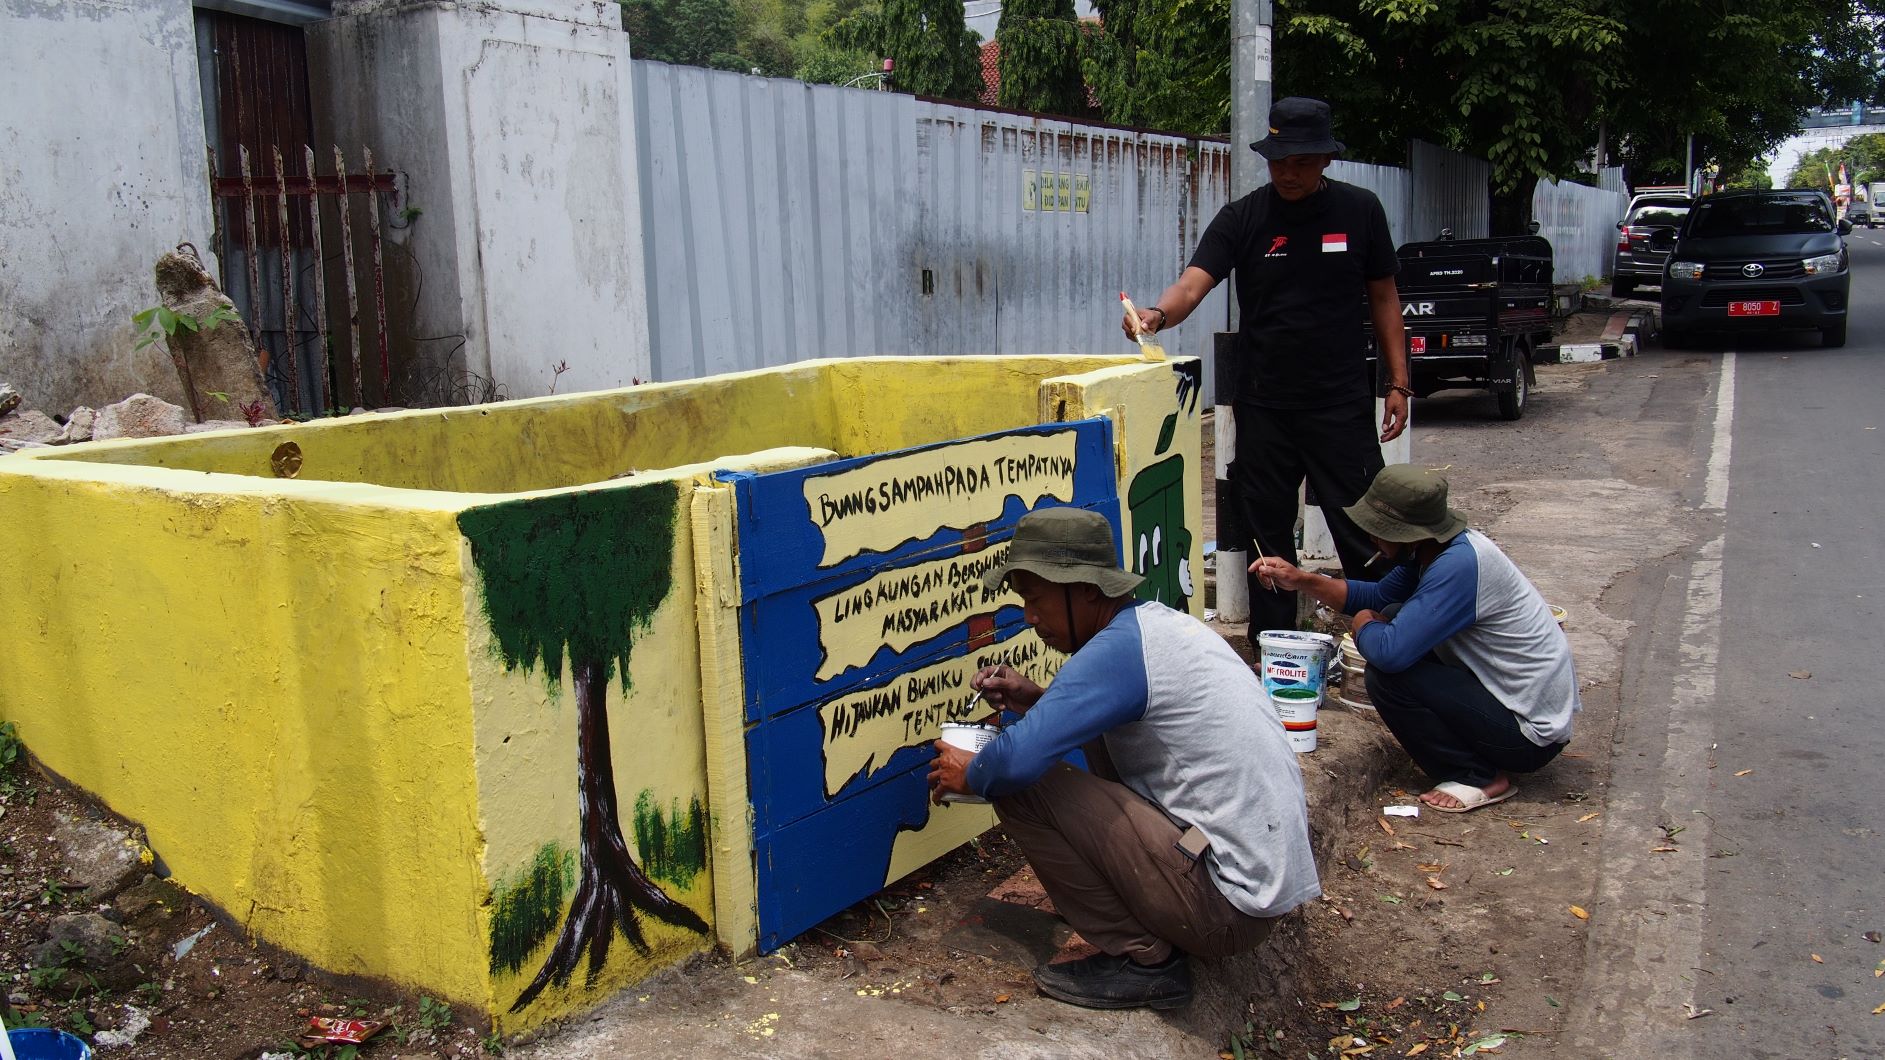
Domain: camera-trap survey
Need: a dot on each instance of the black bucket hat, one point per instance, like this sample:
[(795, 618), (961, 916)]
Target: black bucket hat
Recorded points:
[(1299, 126), (1066, 546), (1406, 503)]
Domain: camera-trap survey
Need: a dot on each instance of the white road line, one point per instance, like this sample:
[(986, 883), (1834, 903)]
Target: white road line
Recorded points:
[(1642, 965)]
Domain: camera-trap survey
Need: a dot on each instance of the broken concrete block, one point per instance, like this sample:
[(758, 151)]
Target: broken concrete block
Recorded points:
[(91, 952), (29, 426), (78, 425), (217, 360), (139, 416), (9, 399), (101, 856)]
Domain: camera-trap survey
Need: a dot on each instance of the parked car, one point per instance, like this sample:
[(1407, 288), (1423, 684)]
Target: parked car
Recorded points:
[(1747, 260), (1637, 262), (1860, 213), (1474, 310)]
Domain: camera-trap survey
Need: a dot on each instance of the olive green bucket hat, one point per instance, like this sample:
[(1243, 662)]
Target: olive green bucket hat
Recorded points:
[(1065, 546), (1406, 503)]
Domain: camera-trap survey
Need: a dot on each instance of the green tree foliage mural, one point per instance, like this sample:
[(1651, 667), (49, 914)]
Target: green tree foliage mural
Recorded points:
[(1040, 57), (578, 577), (524, 910), (673, 845), (935, 53)]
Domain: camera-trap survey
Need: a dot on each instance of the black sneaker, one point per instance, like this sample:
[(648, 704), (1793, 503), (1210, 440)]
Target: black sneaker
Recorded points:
[(1105, 981)]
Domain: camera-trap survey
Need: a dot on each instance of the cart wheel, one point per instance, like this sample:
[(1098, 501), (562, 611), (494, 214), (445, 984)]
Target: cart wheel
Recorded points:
[(1512, 403)]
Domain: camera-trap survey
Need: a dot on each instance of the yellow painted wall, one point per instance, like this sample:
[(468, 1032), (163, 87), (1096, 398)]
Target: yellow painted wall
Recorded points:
[(291, 683)]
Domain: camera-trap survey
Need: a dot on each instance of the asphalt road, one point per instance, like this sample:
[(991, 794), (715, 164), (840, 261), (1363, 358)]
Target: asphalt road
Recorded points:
[(1746, 859)]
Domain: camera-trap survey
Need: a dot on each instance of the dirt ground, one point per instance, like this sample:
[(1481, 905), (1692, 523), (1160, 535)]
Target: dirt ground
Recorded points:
[(1439, 935)]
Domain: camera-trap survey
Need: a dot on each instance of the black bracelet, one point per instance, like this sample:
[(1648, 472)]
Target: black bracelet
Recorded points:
[(1161, 315)]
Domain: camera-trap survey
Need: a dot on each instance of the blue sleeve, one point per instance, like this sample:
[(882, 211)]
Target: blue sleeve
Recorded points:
[(1101, 687), (1445, 602), (1373, 596)]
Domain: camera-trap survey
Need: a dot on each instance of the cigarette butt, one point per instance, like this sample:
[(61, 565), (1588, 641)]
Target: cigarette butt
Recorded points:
[(1372, 560)]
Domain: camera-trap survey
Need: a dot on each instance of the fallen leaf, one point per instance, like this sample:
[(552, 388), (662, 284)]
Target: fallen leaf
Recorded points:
[(1800, 675), (1697, 1013), (1436, 866), (1872, 936), (1744, 772), (1398, 845), (1578, 912), (1880, 970), (1506, 872), (1419, 1048), (1662, 850), (1816, 958), (1350, 1005), (1879, 1011), (1385, 826), (1589, 817), (1552, 1001), (1002, 999), (1394, 1004), (1390, 899), (1488, 978), (1452, 995), (1434, 882)]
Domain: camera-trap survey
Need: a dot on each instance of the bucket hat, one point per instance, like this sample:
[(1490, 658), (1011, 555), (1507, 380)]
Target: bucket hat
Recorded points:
[(1299, 126), (1406, 503), (1065, 546)]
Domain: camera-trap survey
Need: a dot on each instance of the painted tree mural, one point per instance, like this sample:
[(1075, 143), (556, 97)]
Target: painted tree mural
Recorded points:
[(579, 576)]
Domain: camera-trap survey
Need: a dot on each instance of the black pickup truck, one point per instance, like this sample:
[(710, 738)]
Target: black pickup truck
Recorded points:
[(1474, 310)]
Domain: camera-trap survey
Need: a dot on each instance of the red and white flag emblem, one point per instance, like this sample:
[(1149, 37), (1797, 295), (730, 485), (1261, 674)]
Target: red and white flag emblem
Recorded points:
[(1335, 243)]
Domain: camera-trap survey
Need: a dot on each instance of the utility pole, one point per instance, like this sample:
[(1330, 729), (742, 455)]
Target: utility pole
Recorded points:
[(1249, 110)]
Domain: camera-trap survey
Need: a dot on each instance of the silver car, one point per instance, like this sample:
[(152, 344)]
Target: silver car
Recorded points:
[(1637, 262)]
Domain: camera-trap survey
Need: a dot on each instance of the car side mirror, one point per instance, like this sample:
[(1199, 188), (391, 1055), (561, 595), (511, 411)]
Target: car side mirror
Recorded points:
[(1619, 226), (1662, 239), (1845, 227)]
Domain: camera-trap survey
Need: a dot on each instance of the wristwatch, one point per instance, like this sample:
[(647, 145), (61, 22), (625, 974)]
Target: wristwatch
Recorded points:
[(1161, 316)]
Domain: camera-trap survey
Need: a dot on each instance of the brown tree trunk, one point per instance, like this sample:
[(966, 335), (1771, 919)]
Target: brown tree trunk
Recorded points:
[(612, 886)]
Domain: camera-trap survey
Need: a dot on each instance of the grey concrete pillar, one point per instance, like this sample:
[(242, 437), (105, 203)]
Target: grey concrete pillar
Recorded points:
[(512, 123)]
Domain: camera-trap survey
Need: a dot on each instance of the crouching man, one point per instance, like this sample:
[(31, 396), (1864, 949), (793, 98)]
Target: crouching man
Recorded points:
[(1189, 835), (1465, 662)]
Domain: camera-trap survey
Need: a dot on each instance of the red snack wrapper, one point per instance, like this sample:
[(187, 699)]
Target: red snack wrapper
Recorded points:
[(330, 1030)]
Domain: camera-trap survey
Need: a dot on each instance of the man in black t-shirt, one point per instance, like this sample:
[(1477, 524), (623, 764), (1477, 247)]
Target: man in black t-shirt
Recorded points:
[(1308, 253)]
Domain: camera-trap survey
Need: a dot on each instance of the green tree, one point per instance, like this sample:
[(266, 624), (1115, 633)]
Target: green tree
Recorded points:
[(1162, 64), (575, 578), (934, 51), (1040, 57), (1864, 157)]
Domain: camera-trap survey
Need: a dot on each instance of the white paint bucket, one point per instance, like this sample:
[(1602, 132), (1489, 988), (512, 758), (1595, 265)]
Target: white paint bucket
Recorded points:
[(1294, 660), (971, 738), (1297, 709)]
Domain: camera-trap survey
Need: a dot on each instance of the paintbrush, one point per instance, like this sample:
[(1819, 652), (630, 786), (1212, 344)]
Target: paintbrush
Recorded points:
[(1269, 584), (1148, 349)]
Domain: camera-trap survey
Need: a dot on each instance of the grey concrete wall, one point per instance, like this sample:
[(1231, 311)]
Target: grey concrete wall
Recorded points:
[(102, 169), (513, 127)]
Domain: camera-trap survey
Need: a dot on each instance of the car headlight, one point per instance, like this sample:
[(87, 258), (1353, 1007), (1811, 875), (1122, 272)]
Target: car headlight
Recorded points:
[(1685, 270), (1823, 264)]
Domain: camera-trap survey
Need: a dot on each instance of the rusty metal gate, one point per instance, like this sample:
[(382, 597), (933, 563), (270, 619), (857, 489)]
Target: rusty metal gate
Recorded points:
[(299, 232)]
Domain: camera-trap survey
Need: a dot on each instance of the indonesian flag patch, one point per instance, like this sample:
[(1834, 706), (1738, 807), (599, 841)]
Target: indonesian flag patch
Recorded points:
[(1335, 243)]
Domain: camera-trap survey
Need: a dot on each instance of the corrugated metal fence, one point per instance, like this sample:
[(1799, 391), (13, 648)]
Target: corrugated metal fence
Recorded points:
[(785, 221), (1580, 222)]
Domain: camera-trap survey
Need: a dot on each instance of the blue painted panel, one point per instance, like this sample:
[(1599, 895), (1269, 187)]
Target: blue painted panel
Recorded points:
[(824, 836)]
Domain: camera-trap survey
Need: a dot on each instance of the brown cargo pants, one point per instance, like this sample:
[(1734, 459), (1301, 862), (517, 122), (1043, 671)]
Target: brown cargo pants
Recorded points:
[(1110, 861)]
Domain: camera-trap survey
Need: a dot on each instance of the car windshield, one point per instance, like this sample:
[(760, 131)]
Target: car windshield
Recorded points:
[(1759, 215), (1658, 213)]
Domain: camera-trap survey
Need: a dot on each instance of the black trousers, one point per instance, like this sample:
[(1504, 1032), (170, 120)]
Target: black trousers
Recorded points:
[(1451, 726), (1338, 450)]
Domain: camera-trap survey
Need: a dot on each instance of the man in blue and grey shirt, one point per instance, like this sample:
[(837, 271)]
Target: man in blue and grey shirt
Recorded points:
[(1465, 662), (1189, 834)]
